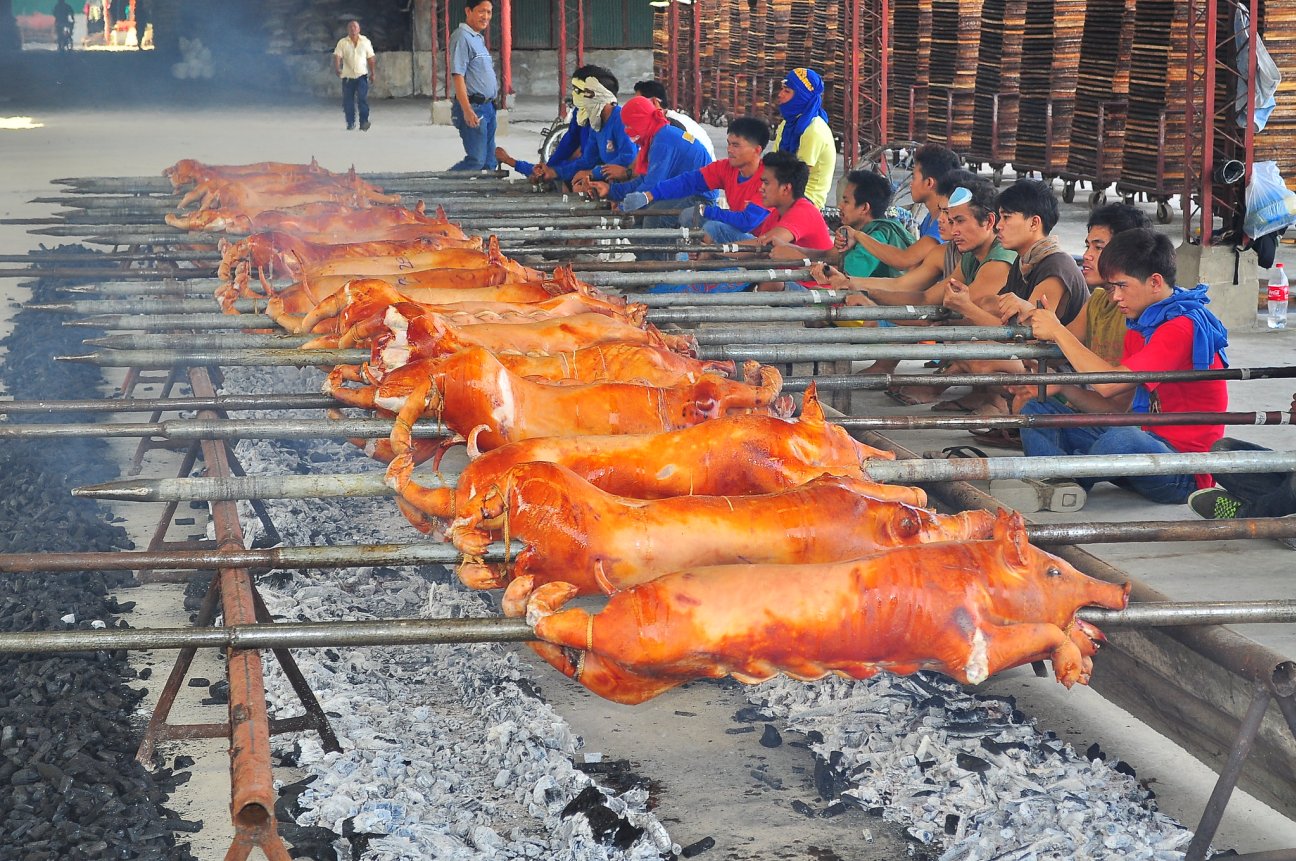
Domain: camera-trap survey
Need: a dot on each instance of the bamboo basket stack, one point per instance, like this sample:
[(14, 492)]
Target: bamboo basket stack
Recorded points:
[(1050, 68), (1003, 24), (955, 43), (1103, 83)]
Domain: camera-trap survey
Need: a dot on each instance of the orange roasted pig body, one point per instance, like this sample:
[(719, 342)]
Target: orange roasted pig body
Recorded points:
[(287, 253), (294, 304), (735, 455), (472, 388), (189, 171), (601, 542), (967, 609)]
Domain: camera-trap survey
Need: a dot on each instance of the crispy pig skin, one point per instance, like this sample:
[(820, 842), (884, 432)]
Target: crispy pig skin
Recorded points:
[(967, 609), (601, 542)]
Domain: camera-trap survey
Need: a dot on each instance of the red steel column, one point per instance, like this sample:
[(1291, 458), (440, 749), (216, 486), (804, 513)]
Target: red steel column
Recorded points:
[(562, 58), (580, 32), (432, 11), (506, 50)]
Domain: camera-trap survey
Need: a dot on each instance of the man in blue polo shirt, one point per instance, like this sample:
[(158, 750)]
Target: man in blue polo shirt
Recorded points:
[(475, 86)]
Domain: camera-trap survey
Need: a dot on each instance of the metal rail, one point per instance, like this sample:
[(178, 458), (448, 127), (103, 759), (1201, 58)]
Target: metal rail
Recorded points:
[(915, 471)]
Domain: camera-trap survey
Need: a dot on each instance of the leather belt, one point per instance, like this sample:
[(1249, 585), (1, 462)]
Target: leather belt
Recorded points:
[(478, 100)]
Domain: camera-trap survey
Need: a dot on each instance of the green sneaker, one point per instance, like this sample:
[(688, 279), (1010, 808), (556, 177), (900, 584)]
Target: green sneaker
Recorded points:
[(1212, 503)]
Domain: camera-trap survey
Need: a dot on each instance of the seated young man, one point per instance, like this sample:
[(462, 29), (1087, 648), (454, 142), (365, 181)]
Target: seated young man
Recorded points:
[(971, 256), (738, 176), (1042, 273), (596, 143), (932, 162), (665, 153), (1169, 330), (655, 91), (793, 220), (865, 197)]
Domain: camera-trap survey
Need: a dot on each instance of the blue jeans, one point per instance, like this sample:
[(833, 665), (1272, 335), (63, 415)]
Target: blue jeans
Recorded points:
[(478, 143), (1053, 442), (355, 91)]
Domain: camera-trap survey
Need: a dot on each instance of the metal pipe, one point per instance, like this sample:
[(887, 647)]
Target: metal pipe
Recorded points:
[(45, 257), (156, 359), (298, 635), (1174, 613), (199, 429), (773, 353), (143, 306), (862, 335), (417, 632), (638, 279), (429, 553), (143, 405), (611, 231), (964, 422), (140, 289), (169, 274), (911, 471), (677, 265), (163, 322), (341, 556), (198, 341), (696, 315), (886, 381), (921, 470)]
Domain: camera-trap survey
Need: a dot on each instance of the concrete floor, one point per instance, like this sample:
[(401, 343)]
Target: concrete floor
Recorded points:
[(41, 143)]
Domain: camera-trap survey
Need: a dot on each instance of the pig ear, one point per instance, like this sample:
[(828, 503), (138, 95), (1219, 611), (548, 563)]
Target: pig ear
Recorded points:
[(1010, 530), (441, 213), (811, 411)]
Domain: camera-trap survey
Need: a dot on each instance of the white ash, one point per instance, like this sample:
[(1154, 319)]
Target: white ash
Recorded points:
[(913, 747), (446, 753)]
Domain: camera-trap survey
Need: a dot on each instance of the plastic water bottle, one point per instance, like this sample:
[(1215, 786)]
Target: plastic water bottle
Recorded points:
[(1278, 298)]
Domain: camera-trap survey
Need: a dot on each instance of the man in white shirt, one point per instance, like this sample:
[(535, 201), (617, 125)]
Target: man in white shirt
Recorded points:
[(656, 92), (353, 60)]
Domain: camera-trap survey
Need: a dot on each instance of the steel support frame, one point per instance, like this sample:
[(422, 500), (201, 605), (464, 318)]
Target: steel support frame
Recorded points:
[(868, 60), (1211, 134)]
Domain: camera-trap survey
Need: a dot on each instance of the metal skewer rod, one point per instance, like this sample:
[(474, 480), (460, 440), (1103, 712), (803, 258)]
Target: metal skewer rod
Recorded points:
[(148, 405), (886, 381), (77, 273), (269, 357), (911, 471), (510, 237), (250, 358), (432, 553), (418, 632), (165, 322), (380, 428), (55, 257), (773, 353), (187, 289), (145, 184), (190, 429), (198, 341), (674, 265), (854, 335), (638, 279), (143, 306), (156, 207)]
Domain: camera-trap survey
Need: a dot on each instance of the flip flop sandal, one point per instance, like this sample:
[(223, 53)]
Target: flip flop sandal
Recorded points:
[(998, 437), (954, 406), (956, 451), (901, 398)]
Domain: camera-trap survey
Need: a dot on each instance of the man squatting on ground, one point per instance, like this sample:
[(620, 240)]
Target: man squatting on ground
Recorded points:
[(1169, 329), (354, 62), (475, 86), (595, 143)]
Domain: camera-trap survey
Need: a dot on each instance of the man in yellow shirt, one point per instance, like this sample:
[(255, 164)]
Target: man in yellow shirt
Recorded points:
[(804, 131)]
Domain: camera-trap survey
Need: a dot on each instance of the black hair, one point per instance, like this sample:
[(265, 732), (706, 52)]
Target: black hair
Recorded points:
[(752, 129), (1139, 253), (871, 188), (1118, 217), (1030, 198), (652, 89), (473, 4), (936, 160), (605, 76), (788, 170), (985, 199)]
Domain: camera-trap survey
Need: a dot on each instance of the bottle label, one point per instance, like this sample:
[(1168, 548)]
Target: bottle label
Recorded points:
[(1277, 292)]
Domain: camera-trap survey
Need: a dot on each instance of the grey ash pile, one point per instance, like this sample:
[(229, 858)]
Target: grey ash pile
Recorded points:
[(68, 732)]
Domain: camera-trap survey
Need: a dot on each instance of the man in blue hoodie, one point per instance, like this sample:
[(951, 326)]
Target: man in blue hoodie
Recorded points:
[(1169, 329)]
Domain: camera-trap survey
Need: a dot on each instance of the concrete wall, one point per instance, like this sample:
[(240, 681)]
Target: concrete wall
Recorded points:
[(1233, 296)]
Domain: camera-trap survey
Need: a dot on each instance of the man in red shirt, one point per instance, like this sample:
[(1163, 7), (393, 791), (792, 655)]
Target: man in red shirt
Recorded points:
[(1169, 329)]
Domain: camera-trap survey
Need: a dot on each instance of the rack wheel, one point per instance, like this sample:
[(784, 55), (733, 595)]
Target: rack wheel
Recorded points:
[(997, 176), (1068, 191), (1164, 213), (1097, 198), (1128, 199)]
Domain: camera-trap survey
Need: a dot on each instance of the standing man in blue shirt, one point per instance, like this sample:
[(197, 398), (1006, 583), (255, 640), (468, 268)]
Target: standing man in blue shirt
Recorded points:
[(475, 86)]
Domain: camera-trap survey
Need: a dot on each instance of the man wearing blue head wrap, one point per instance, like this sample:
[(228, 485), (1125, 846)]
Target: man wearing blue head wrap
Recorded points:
[(1168, 329), (804, 131)]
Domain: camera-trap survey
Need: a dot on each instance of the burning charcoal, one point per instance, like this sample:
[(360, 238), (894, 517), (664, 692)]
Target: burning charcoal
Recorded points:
[(739, 730), (199, 682), (751, 714), (837, 808), (1094, 752), (968, 762), (951, 823), (220, 692), (1122, 767), (771, 737)]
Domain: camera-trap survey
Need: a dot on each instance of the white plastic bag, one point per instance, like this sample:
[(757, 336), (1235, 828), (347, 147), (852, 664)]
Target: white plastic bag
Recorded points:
[(1270, 205)]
